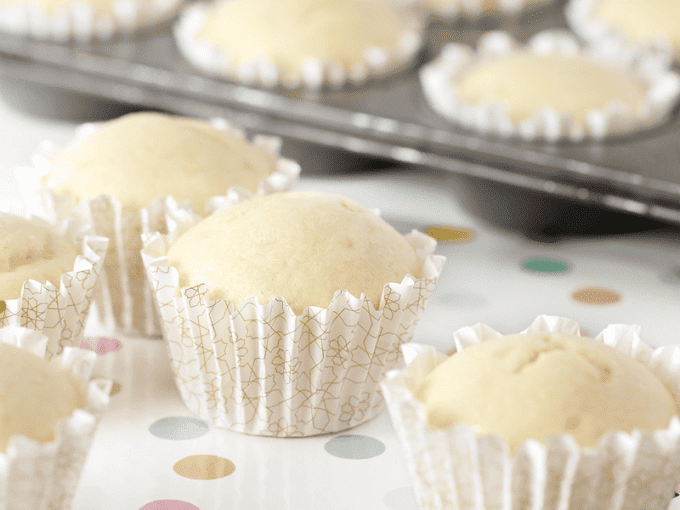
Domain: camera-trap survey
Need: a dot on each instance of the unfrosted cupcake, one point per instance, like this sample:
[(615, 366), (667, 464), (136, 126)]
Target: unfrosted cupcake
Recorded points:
[(47, 280), (48, 417), (295, 43), (300, 301), (550, 88), (546, 419), (82, 20), (126, 176)]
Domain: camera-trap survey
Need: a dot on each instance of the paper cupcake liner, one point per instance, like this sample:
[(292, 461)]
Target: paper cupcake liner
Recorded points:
[(124, 300), (458, 469), (453, 8), (579, 14), (80, 21), (313, 74), (59, 311), (261, 369), (438, 83), (35, 476)]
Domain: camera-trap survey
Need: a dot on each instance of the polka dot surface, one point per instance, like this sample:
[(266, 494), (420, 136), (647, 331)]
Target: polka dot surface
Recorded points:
[(354, 446), (401, 499), (448, 234), (545, 265), (179, 428), (596, 296), (169, 504), (204, 467)]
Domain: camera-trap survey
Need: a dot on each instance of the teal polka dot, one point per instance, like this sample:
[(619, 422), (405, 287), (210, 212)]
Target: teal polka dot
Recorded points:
[(354, 446), (179, 428), (545, 265)]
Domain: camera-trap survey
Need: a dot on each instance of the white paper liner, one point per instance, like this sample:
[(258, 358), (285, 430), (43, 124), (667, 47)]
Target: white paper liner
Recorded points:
[(35, 476), (579, 14), (453, 8), (458, 469), (438, 84), (314, 74), (59, 309), (80, 21), (124, 300), (261, 369)]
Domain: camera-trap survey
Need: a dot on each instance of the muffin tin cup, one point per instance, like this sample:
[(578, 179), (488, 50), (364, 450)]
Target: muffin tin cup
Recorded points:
[(44, 476), (60, 311), (457, 468), (261, 369), (313, 74), (81, 22), (438, 80), (124, 300)]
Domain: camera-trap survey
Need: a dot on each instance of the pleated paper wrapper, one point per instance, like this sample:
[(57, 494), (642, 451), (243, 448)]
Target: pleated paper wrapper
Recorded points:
[(124, 300), (59, 310), (80, 21), (457, 469), (261, 369), (44, 476), (438, 80), (314, 74)]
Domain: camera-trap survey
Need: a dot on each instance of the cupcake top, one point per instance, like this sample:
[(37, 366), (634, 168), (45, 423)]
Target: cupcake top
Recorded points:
[(302, 246), (34, 395), (30, 250), (290, 32), (140, 157), (532, 386)]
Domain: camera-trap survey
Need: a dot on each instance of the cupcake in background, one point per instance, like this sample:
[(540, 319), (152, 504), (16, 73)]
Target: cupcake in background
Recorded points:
[(48, 278), (543, 419), (298, 43), (48, 417), (283, 313), (142, 173)]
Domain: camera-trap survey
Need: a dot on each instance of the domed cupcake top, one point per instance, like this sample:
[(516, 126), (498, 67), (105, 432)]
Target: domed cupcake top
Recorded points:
[(302, 246)]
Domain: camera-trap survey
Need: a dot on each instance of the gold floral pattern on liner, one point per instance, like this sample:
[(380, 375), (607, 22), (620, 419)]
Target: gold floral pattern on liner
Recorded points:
[(637, 470), (261, 369), (123, 300), (59, 312), (46, 475), (439, 77)]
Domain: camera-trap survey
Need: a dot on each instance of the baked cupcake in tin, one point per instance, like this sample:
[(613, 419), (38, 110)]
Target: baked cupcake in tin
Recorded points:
[(298, 43), (82, 20), (309, 298), (48, 416), (125, 177), (48, 277), (549, 89), (585, 423)]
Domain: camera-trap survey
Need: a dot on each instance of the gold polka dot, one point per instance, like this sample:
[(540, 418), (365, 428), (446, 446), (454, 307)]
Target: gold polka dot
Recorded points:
[(573, 422), (204, 467), (448, 234), (596, 296)]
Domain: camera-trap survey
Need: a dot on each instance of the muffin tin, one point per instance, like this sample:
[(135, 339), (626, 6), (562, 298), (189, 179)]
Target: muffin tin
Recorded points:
[(386, 118)]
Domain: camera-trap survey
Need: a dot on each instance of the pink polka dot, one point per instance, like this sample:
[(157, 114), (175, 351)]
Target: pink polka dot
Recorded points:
[(101, 345), (169, 504)]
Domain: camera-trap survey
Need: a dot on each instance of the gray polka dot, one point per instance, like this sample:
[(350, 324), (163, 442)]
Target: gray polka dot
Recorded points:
[(401, 499), (354, 446), (179, 427)]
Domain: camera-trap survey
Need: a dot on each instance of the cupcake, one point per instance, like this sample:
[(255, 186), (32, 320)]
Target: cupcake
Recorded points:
[(543, 419), (283, 313), (453, 8), (48, 417), (47, 281), (82, 20), (549, 89), (126, 176), (642, 25), (298, 43)]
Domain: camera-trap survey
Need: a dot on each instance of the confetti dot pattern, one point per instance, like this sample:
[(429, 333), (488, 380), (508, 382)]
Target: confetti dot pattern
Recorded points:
[(355, 447), (204, 467), (545, 265), (445, 234), (596, 296), (179, 428), (169, 504)]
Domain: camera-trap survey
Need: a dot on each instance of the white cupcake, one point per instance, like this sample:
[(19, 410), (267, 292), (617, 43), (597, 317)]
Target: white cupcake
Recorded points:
[(44, 448), (458, 467), (547, 90)]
